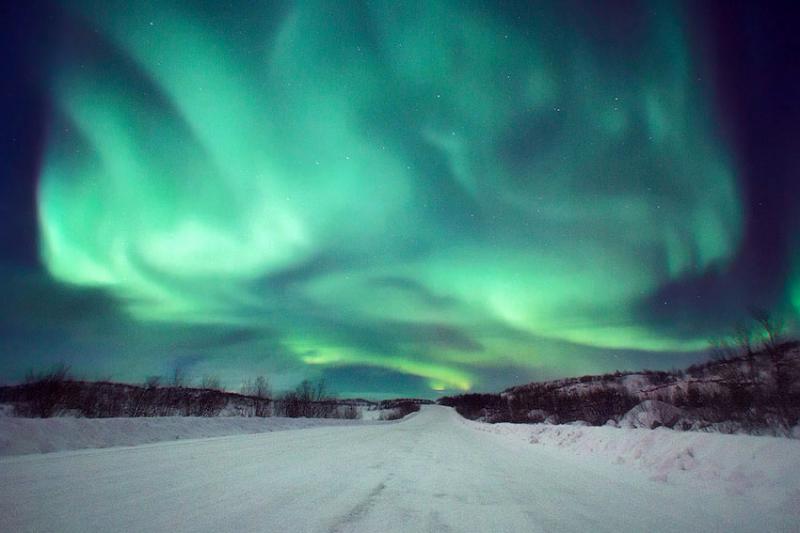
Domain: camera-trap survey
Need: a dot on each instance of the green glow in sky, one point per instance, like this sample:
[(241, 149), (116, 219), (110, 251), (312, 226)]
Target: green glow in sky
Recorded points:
[(469, 186)]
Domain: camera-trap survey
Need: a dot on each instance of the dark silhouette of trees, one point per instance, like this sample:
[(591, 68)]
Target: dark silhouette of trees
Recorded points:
[(308, 400), (260, 394), (46, 392)]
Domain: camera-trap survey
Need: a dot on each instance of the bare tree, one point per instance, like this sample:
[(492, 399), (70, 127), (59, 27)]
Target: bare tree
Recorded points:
[(310, 400), (259, 392), (211, 383), (771, 327), (147, 401), (720, 349), (743, 336), (261, 387), (179, 378)]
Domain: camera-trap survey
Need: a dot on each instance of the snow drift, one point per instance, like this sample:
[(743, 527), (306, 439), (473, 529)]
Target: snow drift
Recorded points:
[(761, 466), (41, 435)]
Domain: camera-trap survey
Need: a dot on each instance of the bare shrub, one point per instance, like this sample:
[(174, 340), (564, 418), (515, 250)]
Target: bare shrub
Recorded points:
[(401, 410), (658, 377), (211, 383), (603, 404), (46, 393), (350, 412), (721, 349), (476, 405), (148, 400), (101, 399), (771, 328)]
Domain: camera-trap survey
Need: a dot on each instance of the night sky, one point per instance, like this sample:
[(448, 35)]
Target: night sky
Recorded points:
[(401, 197)]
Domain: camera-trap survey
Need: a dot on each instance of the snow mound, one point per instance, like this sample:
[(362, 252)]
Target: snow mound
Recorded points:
[(651, 414), (20, 436), (761, 466)]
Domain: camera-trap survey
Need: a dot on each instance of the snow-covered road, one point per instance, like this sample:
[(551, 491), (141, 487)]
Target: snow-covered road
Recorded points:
[(431, 472)]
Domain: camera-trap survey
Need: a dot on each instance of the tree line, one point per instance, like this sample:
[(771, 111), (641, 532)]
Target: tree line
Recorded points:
[(55, 391)]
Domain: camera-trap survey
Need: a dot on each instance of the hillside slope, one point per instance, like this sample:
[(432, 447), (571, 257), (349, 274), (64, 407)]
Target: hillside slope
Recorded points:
[(756, 393)]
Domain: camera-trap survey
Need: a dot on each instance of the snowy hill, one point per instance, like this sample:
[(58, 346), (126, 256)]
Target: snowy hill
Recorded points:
[(758, 393)]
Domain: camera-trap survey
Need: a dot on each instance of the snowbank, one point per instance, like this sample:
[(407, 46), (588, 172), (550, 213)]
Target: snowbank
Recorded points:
[(374, 414), (41, 435), (765, 467), (651, 414)]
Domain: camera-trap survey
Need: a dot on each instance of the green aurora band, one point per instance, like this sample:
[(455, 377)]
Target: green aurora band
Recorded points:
[(492, 194)]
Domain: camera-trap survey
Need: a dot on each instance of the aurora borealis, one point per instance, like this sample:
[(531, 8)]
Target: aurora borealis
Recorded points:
[(401, 197)]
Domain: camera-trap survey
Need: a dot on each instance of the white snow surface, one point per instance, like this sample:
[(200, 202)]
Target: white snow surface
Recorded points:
[(650, 414), (434, 471), (762, 467), (42, 435), (374, 414)]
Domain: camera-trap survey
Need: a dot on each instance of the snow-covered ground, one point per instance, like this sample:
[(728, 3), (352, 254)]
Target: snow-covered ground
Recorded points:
[(42, 435), (373, 414), (434, 471), (762, 467)]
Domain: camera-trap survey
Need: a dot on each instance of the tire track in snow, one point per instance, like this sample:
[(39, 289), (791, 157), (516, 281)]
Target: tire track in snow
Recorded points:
[(358, 512)]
